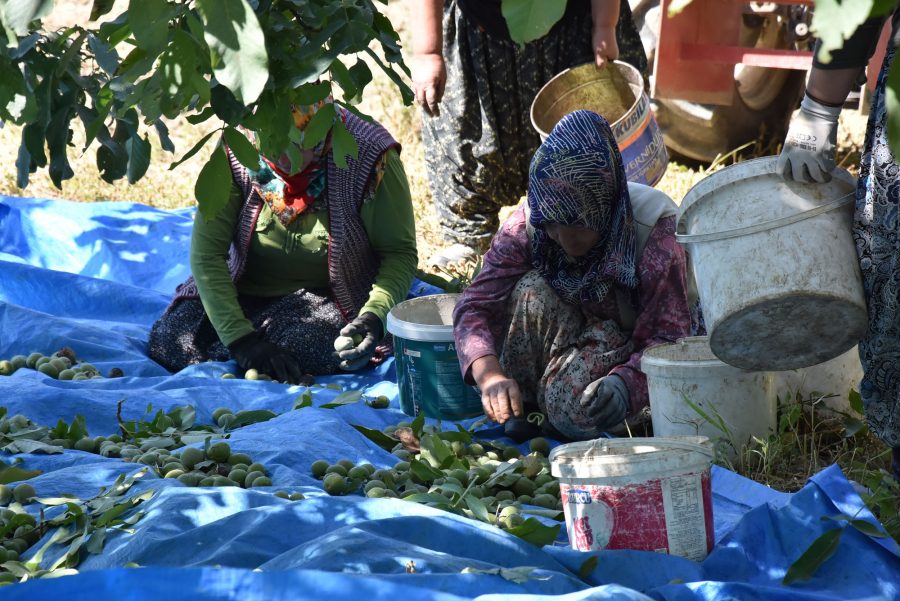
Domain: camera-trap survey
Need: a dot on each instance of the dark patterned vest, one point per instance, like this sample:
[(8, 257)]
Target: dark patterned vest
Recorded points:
[(352, 262)]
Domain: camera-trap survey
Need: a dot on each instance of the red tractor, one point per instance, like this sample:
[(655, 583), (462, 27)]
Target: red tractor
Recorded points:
[(727, 72)]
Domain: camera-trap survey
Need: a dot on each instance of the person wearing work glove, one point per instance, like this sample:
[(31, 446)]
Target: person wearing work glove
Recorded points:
[(606, 401), (877, 203), (369, 330), (808, 151), (553, 328), (301, 248), (478, 144), (254, 352)]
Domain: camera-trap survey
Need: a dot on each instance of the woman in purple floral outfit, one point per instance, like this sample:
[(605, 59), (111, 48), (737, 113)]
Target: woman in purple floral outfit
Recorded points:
[(576, 284)]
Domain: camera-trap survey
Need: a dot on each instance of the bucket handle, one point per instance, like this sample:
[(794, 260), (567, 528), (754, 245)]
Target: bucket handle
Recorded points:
[(767, 225)]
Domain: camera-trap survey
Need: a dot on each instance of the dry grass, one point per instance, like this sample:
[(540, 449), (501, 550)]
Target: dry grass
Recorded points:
[(809, 439)]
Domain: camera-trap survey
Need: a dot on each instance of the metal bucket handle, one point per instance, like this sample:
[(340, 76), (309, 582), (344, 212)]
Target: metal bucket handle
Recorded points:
[(767, 225)]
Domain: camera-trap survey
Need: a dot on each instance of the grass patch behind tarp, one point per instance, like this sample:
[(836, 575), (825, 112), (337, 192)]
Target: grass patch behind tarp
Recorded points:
[(810, 437)]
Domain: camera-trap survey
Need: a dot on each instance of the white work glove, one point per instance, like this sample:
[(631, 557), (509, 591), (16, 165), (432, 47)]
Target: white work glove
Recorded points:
[(606, 401), (368, 329), (808, 152)]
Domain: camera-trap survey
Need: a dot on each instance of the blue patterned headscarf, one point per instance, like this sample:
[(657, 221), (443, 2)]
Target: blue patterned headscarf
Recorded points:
[(577, 178)]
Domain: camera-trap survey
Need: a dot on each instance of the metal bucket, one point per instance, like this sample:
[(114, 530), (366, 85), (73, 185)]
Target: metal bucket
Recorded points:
[(776, 266), (617, 93)]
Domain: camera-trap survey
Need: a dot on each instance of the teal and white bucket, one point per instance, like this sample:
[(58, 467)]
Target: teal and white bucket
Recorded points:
[(428, 373)]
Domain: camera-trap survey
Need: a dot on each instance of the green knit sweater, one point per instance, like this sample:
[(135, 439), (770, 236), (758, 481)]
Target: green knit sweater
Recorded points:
[(284, 259)]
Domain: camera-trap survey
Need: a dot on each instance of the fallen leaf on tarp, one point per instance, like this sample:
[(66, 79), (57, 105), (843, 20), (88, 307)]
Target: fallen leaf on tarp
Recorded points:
[(588, 566), (377, 436), (345, 398), (31, 446)]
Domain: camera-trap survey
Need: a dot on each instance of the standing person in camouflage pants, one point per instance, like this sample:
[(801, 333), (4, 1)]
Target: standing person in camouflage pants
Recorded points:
[(475, 86)]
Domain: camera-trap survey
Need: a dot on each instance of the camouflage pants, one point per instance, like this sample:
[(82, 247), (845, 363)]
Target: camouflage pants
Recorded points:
[(478, 149), (553, 351)]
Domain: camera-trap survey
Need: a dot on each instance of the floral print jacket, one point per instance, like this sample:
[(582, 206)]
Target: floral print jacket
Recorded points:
[(661, 300)]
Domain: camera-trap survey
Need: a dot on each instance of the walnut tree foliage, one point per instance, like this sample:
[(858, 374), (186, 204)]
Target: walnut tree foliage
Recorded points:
[(239, 62)]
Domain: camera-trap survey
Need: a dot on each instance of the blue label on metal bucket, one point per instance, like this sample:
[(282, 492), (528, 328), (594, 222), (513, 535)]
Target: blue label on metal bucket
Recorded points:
[(645, 155), (641, 143), (632, 123)]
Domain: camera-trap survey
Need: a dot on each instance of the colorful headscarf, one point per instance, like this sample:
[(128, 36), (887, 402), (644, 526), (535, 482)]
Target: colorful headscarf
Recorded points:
[(577, 178), (288, 195)]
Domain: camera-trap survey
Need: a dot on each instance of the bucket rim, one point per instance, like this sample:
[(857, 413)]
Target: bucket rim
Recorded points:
[(742, 171), (627, 71), (419, 332), (577, 451), (649, 360)]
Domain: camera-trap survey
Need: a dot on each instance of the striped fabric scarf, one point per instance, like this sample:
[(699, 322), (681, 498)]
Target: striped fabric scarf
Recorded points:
[(577, 178)]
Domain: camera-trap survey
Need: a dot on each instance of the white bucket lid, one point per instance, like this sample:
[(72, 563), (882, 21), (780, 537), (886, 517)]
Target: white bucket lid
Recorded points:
[(426, 319), (617, 457)]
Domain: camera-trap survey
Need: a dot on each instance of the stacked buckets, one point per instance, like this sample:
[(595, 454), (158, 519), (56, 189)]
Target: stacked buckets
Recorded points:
[(781, 290), (781, 293)]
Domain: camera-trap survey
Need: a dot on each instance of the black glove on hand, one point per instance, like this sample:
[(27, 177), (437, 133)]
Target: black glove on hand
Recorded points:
[(367, 325), (254, 352), (606, 401)]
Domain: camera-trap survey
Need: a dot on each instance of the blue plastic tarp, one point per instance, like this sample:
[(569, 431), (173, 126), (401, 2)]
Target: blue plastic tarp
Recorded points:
[(95, 276)]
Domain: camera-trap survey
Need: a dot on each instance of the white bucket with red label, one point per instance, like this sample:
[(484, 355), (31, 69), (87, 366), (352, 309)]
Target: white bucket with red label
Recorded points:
[(650, 494)]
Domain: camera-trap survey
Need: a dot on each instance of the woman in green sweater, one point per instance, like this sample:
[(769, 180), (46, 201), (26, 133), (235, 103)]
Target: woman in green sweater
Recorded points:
[(297, 258)]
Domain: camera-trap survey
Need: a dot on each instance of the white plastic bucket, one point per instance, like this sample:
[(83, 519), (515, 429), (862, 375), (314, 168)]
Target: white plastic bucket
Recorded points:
[(428, 373), (833, 379), (744, 401), (649, 494), (617, 93), (775, 265)]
